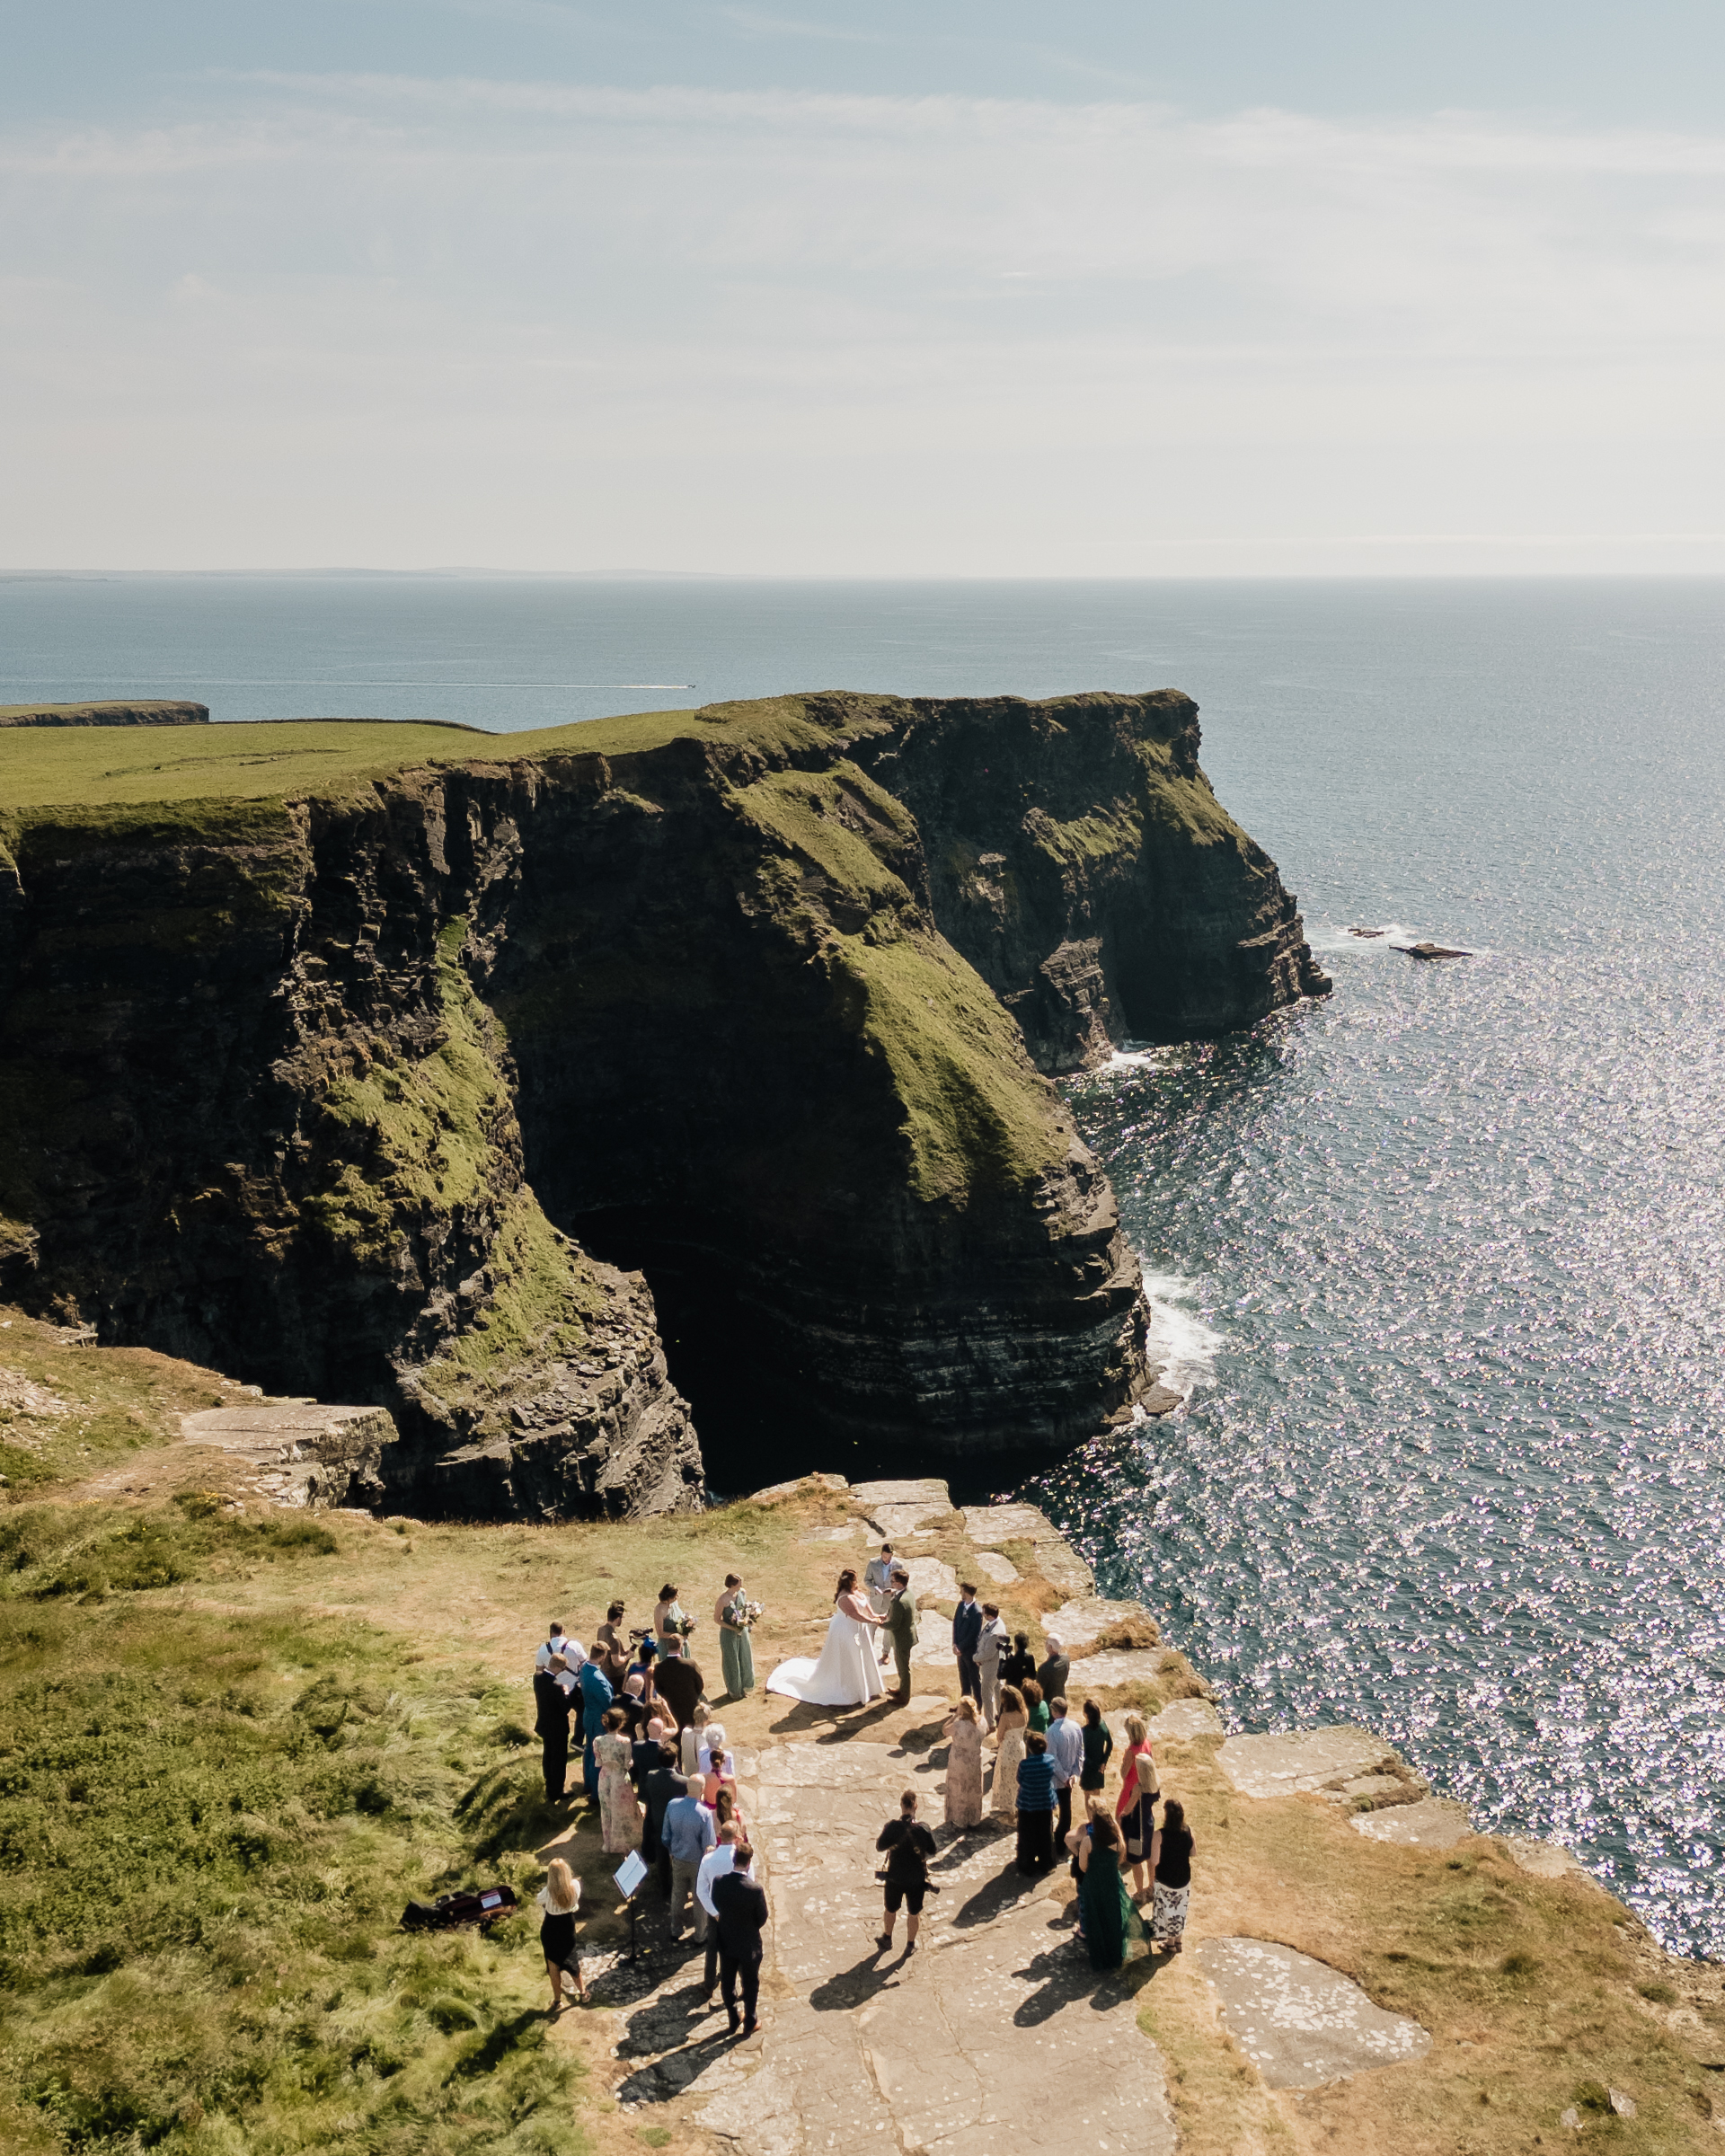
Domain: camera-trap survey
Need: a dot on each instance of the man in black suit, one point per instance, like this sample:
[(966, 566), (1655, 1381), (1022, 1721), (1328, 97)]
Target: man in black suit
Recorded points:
[(967, 1630), (679, 1684), (662, 1787), (742, 1907), (552, 1723)]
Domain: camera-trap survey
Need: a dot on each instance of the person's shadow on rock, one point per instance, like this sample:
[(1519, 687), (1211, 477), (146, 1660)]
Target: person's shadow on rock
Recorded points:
[(991, 1899), (855, 1986)]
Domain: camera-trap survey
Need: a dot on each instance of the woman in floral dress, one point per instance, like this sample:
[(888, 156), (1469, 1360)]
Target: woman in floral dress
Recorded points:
[(1009, 1751), (619, 1814), (964, 1767)]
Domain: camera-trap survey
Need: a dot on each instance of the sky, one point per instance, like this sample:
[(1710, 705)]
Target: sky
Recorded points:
[(1121, 289)]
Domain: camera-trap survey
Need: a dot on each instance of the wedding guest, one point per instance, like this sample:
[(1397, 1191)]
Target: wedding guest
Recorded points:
[(1054, 1671), (963, 1734), (558, 1642), (1036, 1706), (559, 1897), (967, 1627), (739, 1907), (901, 1630), (615, 1639), (991, 1647), (596, 1696), (720, 1782), (551, 1723), (1170, 1868), (619, 1814), (1095, 1807), (1136, 1806), (1106, 1917), (660, 1790), (876, 1581), (712, 1737), (691, 1740), (645, 1666), (717, 1862), (1067, 1750), (644, 1755), (1019, 1664), (679, 1683), (1009, 1750), (631, 1703), (668, 1621), (687, 1834), (1036, 1805), (1099, 1749), (730, 1614), (909, 1846)]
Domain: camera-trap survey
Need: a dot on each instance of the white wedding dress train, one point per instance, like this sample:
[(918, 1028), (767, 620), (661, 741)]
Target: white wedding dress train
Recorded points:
[(847, 1675)]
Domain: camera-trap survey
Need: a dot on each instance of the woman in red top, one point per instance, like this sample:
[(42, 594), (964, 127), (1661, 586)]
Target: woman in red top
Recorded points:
[(1139, 1789)]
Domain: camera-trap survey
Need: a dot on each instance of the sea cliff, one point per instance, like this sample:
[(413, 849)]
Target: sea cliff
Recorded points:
[(536, 1087)]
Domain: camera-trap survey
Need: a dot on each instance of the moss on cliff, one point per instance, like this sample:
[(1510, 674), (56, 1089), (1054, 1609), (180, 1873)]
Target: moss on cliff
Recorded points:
[(977, 1115), (426, 1131)]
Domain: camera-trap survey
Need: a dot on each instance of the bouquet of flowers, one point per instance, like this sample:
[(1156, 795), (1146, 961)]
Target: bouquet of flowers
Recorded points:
[(753, 1611), (682, 1626)]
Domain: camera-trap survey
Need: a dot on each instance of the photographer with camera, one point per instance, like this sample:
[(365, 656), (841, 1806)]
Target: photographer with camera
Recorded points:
[(909, 1845)]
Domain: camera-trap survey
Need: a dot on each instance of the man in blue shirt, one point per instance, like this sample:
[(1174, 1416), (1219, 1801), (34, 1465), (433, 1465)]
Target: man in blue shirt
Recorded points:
[(1067, 1750), (685, 1837), (596, 1696), (967, 1630)]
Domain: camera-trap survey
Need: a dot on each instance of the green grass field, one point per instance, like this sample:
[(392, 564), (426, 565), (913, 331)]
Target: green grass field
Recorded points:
[(211, 1822), (273, 760)]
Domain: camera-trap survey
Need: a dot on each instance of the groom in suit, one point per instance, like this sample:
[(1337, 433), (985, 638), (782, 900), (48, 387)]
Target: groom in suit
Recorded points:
[(901, 1630)]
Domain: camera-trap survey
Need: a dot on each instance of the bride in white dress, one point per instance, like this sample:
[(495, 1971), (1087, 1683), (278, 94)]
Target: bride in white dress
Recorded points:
[(847, 1673)]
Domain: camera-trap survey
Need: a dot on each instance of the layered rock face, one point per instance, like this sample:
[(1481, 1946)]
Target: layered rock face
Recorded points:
[(1079, 859), (407, 1096)]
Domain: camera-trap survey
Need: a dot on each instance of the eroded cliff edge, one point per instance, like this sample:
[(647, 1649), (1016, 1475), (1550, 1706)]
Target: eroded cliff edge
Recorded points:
[(405, 1089)]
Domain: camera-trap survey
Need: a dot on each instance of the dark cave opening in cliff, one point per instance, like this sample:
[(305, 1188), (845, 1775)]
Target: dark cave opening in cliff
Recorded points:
[(761, 1416)]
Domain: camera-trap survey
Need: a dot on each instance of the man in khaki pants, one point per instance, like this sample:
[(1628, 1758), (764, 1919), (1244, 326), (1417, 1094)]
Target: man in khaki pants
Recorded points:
[(992, 1643)]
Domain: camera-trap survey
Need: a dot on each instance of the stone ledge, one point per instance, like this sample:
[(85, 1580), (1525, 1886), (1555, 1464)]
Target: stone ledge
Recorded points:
[(1344, 1765), (308, 1454)]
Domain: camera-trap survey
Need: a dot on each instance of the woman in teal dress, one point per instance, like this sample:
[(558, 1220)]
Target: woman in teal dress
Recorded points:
[(1105, 1909), (731, 1612)]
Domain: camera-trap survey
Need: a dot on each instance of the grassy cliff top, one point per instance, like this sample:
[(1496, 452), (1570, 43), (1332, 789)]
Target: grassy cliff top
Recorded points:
[(271, 759), (97, 766)]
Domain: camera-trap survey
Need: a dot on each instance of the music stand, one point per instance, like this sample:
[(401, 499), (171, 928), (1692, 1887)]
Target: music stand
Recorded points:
[(629, 1876)]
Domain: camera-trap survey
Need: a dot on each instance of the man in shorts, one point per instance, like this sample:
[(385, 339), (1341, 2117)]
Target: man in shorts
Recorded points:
[(908, 1845)]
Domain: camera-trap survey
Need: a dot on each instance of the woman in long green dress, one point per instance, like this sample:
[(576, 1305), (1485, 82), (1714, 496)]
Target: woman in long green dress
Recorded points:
[(731, 1612), (1104, 1907)]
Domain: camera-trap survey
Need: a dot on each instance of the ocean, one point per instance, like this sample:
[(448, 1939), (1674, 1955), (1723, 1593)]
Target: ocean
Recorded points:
[(1439, 1258)]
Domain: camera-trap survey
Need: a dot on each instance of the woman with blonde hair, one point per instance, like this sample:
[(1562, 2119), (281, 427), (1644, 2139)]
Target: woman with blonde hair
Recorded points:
[(1139, 1790), (963, 1737), (559, 1897), (1010, 1726)]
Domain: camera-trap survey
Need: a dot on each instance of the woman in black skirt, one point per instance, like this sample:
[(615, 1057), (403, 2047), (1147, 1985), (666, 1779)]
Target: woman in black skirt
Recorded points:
[(559, 1897)]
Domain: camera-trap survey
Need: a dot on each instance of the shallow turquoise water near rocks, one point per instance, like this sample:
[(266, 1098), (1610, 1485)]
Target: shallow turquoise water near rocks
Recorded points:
[(1442, 1256)]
